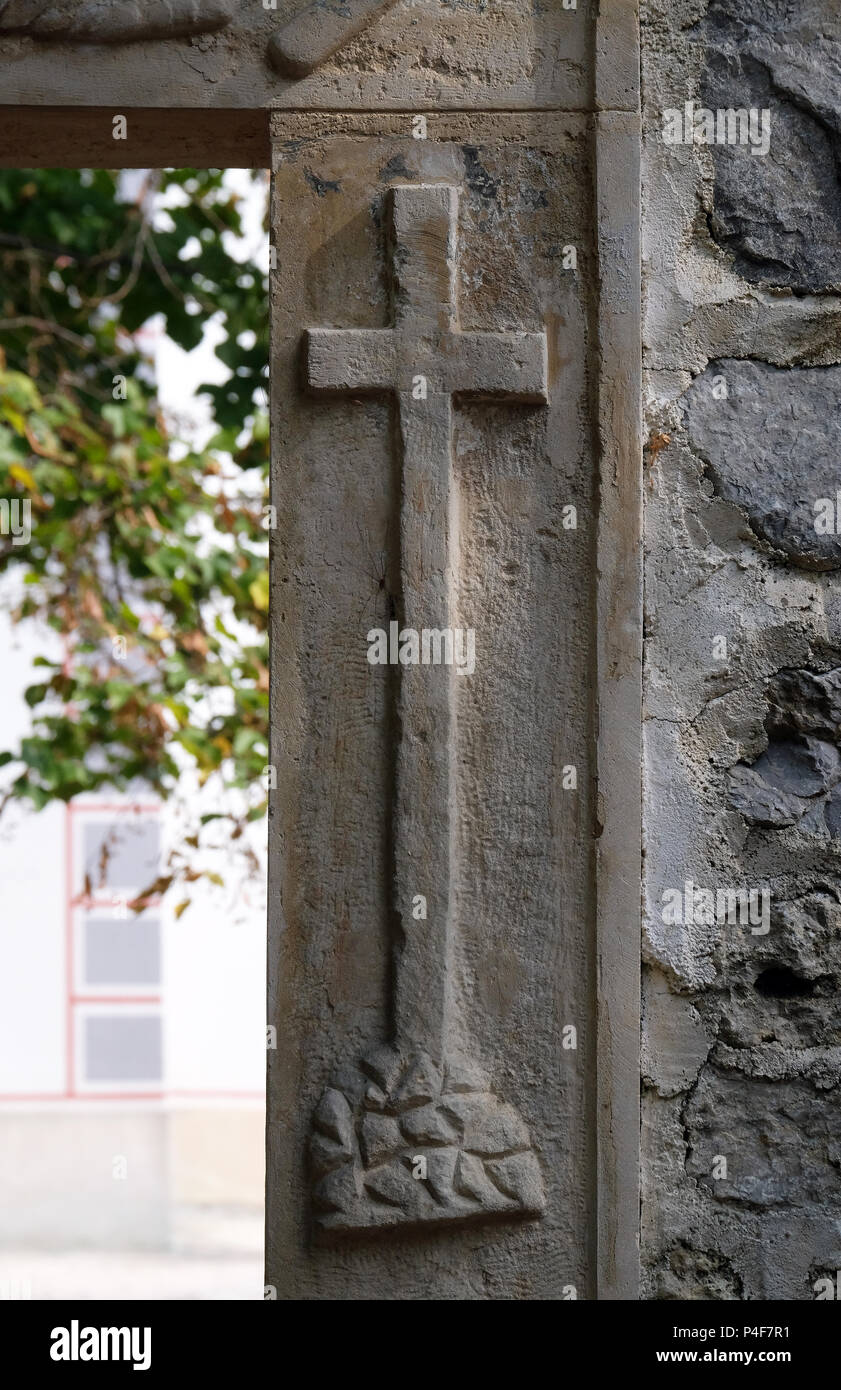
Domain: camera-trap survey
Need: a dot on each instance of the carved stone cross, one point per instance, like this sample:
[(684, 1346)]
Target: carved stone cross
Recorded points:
[(415, 1134)]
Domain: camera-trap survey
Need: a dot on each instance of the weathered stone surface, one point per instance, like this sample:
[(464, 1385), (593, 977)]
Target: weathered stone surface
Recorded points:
[(489, 1128), (430, 1124), (326, 1154), (471, 1180), (383, 1064), (795, 780), (518, 1177), (315, 33), (421, 1083), (333, 1117), (462, 1074), (440, 1171), (336, 1191), (783, 785), (772, 447), (759, 1127), (393, 1188), (380, 1138), (408, 55), (506, 1092), (805, 702), (463, 1157), (778, 1012), (113, 21), (375, 1099), (426, 344), (740, 1029), (694, 1275), (675, 1040), (780, 213)]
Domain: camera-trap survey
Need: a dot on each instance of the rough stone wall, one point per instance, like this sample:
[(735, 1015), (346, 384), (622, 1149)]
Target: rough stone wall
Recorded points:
[(742, 776)]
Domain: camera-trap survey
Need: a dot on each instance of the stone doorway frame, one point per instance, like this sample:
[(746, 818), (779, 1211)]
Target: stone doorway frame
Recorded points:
[(78, 137)]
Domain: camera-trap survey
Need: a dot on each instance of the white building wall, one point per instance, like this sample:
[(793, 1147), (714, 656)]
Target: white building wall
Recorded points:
[(109, 1161)]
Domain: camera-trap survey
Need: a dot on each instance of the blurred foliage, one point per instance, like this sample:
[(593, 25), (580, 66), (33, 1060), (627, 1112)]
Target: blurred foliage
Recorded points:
[(147, 557)]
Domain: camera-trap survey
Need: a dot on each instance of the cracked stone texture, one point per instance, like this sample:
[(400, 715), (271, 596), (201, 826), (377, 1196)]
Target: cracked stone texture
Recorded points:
[(742, 1032), (772, 447), (779, 214), (795, 780)]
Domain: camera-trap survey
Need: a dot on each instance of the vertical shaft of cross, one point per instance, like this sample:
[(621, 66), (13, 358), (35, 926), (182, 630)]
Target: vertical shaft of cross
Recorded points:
[(424, 358), (424, 791), (424, 227)]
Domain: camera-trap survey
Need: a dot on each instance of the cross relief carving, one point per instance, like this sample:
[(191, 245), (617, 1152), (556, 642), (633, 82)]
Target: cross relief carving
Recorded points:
[(415, 1133)]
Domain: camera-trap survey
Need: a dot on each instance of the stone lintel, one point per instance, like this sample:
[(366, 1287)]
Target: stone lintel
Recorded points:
[(369, 54)]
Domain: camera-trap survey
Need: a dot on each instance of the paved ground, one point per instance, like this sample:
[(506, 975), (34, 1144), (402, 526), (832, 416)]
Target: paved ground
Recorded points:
[(217, 1255)]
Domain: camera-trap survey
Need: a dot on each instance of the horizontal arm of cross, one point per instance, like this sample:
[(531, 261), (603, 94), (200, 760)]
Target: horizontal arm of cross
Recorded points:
[(351, 359), (505, 366)]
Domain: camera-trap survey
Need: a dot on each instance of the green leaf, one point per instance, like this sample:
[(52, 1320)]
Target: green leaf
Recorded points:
[(259, 591), (130, 532)]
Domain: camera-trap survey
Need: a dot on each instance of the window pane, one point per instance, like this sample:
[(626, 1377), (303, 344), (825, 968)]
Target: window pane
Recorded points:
[(123, 854), (123, 1048), (122, 952)]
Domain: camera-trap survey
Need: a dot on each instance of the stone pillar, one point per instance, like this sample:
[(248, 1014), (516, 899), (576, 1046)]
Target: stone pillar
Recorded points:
[(453, 1102)]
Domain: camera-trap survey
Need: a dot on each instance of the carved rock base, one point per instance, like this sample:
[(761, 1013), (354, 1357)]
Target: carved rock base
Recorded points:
[(399, 1141)]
